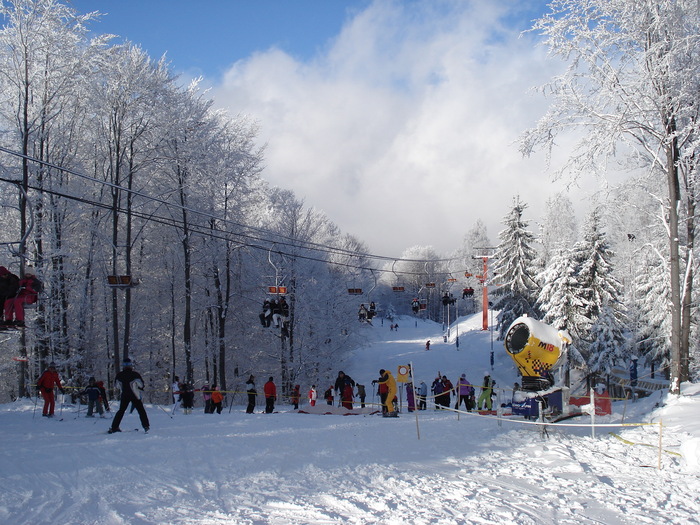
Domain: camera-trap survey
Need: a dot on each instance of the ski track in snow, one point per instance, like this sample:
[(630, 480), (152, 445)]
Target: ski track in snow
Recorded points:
[(284, 468)]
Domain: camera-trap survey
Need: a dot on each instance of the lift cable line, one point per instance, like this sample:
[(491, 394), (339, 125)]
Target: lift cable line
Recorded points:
[(250, 240)]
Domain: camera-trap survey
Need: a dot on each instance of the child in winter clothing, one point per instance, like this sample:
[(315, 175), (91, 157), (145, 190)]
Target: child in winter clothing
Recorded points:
[(93, 393), (270, 391), (217, 399)]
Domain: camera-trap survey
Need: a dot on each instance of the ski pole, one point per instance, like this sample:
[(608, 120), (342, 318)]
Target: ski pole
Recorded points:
[(170, 415)]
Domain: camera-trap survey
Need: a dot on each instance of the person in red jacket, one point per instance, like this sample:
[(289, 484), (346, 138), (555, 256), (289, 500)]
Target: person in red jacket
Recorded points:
[(270, 391), (46, 383), (29, 289)]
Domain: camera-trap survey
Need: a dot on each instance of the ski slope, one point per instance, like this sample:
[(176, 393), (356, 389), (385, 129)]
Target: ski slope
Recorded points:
[(286, 467)]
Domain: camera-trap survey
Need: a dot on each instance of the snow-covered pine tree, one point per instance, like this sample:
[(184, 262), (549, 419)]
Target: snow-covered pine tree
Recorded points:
[(596, 281), (513, 265), (607, 347), (654, 302), (559, 299)]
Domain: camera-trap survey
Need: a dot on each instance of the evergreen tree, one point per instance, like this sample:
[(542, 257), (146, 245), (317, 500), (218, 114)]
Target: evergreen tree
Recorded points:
[(607, 347), (513, 267), (597, 285)]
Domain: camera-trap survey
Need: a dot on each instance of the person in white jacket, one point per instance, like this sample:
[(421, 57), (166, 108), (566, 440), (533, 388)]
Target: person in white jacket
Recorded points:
[(312, 396)]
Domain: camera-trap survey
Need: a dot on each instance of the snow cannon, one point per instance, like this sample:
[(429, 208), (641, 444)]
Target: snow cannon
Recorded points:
[(537, 349)]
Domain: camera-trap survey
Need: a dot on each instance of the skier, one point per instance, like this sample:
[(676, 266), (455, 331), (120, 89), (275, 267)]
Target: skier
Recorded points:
[(270, 396), (250, 390), (177, 394), (486, 389), (312, 396), (415, 305), (187, 398), (427, 344), (131, 387), (46, 383)]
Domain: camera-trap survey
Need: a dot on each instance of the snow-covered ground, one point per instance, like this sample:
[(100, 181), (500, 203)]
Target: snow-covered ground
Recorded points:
[(284, 468)]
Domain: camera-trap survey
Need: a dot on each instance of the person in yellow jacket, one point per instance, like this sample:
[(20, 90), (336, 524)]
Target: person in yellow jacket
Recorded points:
[(387, 392)]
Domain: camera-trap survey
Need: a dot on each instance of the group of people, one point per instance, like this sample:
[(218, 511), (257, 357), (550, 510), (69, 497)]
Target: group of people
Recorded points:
[(183, 397), (365, 314), (15, 293), (275, 312), (465, 393)]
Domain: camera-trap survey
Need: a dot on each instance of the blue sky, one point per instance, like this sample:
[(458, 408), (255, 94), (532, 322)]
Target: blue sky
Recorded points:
[(207, 36), (398, 119)]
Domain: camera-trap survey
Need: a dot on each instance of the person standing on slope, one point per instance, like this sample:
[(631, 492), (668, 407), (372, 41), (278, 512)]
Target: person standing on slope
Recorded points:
[(313, 395), (131, 386), (46, 384), (270, 391), (486, 389), (250, 390)]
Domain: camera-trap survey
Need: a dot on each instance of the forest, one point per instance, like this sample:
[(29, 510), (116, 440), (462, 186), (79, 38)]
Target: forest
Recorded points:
[(145, 213)]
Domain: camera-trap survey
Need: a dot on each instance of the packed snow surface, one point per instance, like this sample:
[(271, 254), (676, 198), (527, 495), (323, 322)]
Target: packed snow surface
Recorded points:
[(289, 467)]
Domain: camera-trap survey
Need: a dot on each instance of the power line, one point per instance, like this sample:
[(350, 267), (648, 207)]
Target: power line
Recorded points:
[(252, 240)]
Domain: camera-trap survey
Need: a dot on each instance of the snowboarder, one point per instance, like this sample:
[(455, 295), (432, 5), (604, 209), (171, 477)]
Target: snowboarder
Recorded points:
[(46, 383), (250, 390), (131, 387), (270, 391)]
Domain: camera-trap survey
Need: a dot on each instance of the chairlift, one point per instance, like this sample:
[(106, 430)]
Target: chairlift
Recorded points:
[(277, 290), (430, 285), (121, 281), (354, 291)]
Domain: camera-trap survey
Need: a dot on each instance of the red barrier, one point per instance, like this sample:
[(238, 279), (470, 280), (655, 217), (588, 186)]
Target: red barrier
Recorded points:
[(603, 405)]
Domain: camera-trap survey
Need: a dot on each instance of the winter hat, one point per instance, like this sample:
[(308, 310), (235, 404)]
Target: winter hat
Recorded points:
[(464, 376), (29, 271), (3, 271), (52, 365)]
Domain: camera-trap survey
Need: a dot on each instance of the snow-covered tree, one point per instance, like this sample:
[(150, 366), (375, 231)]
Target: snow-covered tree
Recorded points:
[(514, 266), (596, 282), (633, 87), (607, 346), (557, 227)]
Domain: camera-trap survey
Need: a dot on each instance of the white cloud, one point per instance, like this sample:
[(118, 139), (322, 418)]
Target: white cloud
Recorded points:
[(402, 131)]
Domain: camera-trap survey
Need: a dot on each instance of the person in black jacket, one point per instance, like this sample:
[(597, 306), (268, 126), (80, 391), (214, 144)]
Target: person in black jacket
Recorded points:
[(9, 286), (131, 386)]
